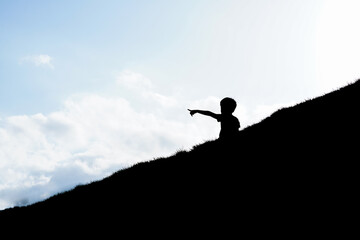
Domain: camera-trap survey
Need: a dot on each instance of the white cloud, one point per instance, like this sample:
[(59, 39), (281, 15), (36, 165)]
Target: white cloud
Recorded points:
[(142, 86), (39, 60), (133, 80), (89, 138), (210, 103)]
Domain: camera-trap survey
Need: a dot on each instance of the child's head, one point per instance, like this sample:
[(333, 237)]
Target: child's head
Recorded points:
[(227, 105)]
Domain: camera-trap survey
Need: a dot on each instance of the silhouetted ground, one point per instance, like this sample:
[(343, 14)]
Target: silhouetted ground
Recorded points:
[(292, 174)]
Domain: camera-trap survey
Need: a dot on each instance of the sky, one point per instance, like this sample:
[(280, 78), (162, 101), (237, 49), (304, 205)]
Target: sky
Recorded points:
[(90, 87)]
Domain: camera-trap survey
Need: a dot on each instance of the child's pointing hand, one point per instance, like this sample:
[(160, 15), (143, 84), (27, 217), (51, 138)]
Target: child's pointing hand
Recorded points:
[(192, 112)]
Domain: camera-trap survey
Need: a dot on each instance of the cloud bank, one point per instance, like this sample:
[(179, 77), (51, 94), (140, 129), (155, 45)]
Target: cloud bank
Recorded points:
[(93, 135)]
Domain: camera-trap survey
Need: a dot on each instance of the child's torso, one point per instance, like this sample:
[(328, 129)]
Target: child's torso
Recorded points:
[(229, 125)]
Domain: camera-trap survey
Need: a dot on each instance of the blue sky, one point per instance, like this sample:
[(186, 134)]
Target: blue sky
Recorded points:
[(183, 44), (90, 87), (86, 40)]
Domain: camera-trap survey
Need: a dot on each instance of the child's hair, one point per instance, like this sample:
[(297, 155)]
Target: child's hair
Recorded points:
[(228, 105)]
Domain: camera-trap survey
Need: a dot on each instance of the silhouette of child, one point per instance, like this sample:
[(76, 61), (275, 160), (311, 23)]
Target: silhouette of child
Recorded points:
[(229, 123)]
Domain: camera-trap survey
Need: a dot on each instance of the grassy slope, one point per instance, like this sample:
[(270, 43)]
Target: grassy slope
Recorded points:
[(297, 168)]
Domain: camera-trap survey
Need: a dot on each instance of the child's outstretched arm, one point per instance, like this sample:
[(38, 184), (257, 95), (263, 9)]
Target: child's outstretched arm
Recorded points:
[(206, 113)]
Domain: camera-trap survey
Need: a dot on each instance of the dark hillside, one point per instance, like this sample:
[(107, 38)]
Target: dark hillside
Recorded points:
[(293, 172)]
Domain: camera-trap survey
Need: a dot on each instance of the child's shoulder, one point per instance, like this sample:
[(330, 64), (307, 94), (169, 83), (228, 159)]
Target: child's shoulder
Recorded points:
[(235, 119)]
